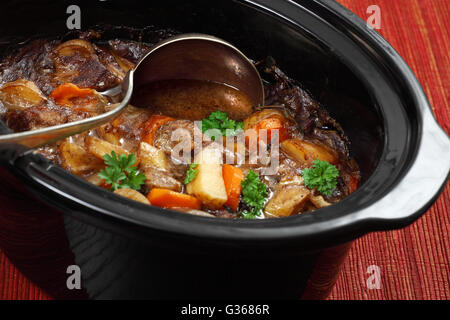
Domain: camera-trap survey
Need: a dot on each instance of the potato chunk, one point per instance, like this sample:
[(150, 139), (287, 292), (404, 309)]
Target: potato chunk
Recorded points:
[(255, 118), (107, 133), (100, 147), (306, 152), (287, 201), (77, 160), (288, 180), (319, 202), (149, 155), (209, 186), (132, 194), (153, 163), (96, 180), (21, 94)]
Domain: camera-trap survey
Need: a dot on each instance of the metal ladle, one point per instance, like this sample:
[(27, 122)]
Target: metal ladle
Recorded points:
[(186, 56)]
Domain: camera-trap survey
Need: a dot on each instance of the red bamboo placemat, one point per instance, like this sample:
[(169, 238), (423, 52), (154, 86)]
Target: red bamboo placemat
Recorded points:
[(413, 262)]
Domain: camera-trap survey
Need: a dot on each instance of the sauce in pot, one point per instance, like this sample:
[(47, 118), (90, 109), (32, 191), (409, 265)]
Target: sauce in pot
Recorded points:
[(192, 99)]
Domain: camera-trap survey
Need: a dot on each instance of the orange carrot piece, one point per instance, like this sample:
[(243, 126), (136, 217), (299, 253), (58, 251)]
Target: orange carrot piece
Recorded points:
[(165, 198), (232, 177), (151, 125), (274, 123), (67, 92), (352, 184)]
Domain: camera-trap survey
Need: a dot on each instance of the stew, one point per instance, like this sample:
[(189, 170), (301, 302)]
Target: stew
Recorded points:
[(217, 132)]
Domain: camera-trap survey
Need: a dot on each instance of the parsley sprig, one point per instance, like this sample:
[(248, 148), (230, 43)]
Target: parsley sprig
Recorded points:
[(121, 172), (220, 121), (191, 173), (254, 194), (322, 176)]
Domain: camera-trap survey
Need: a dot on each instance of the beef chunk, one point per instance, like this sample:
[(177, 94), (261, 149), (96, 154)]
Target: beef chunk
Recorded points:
[(157, 178), (42, 116)]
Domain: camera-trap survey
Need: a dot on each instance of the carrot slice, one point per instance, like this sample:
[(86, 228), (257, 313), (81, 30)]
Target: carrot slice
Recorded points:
[(271, 123), (151, 125), (232, 177), (274, 123), (67, 93), (165, 198), (352, 184)]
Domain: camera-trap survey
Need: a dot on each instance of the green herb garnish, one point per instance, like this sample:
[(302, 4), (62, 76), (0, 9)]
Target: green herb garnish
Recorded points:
[(191, 173), (254, 194), (121, 172), (220, 121), (322, 176)]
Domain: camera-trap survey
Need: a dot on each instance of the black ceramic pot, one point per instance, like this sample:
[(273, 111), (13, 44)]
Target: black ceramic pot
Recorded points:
[(128, 250)]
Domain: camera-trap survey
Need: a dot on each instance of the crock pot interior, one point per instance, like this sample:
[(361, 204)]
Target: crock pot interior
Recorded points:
[(297, 53)]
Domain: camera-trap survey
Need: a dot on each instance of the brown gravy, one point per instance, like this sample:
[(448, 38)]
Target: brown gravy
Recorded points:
[(192, 99)]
